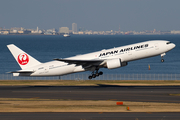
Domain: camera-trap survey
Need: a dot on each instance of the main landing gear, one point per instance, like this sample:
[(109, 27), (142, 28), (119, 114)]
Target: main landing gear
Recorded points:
[(95, 74), (162, 55)]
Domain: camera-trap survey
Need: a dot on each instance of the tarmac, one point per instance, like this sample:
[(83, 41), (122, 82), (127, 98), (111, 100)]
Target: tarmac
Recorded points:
[(89, 116), (166, 94), (162, 94)]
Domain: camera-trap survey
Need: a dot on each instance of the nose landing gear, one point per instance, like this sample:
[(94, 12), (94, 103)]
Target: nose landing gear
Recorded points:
[(162, 60), (162, 55), (95, 74)]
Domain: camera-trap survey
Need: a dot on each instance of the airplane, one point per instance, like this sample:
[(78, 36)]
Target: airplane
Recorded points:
[(110, 58)]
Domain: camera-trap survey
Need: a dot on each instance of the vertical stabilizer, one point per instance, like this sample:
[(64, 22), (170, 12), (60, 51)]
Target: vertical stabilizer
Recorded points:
[(23, 59)]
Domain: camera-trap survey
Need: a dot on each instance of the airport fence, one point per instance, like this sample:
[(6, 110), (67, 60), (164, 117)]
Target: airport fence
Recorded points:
[(102, 77)]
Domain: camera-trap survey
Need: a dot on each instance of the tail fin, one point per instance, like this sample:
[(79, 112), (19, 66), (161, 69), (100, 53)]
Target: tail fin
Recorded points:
[(23, 59)]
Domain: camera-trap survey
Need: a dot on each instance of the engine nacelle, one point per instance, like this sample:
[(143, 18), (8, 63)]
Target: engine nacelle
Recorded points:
[(115, 63)]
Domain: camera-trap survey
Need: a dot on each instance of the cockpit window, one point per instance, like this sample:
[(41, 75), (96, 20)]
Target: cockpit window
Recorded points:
[(168, 43)]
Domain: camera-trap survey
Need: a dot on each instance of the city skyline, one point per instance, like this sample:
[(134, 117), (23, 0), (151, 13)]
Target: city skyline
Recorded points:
[(67, 31), (101, 15)]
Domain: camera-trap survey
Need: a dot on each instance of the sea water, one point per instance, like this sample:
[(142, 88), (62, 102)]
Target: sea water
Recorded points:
[(45, 48)]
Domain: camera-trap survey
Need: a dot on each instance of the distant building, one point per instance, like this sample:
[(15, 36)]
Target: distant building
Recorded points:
[(5, 32), (37, 31), (80, 32), (21, 32), (16, 30), (13, 31), (50, 32), (64, 30), (88, 32), (74, 28), (175, 32), (27, 31)]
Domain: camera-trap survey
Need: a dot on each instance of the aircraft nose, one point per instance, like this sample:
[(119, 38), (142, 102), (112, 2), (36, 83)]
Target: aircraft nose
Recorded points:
[(171, 46), (174, 45)]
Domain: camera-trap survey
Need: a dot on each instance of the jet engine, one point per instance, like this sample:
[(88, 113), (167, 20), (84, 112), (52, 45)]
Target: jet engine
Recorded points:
[(115, 63)]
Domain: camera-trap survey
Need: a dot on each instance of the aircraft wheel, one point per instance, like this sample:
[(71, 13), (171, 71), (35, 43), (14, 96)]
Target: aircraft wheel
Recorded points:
[(162, 60), (90, 77), (93, 75), (100, 73), (97, 74)]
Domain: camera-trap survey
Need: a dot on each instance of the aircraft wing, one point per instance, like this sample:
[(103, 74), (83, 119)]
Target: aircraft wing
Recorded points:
[(84, 63)]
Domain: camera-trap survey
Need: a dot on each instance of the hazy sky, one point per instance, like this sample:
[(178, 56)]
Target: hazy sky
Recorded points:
[(93, 15)]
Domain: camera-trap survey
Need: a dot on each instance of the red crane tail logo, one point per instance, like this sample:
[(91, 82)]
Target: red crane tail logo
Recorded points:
[(23, 59)]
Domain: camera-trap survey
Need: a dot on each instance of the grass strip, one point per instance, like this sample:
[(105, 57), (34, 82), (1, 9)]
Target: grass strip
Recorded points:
[(57, 105), (89, 82)]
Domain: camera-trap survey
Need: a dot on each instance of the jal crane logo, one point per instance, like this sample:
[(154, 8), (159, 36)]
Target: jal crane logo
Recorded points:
[(23, 59)]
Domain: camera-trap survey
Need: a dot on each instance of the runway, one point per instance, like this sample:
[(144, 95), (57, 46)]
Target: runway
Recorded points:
[(168, 94), (90, 116)]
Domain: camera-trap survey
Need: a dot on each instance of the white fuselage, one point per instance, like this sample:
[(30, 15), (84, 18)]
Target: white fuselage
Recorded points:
[(125, 54)]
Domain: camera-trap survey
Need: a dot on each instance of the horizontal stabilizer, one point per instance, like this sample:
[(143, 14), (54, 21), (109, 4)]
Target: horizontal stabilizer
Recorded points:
[(22, 71)]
